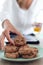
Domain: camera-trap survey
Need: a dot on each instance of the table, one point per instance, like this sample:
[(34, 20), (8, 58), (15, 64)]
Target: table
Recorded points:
[(36, 62)]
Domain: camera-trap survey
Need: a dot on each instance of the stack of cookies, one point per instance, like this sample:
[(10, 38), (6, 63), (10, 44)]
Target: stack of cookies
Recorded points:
[(20, 49)]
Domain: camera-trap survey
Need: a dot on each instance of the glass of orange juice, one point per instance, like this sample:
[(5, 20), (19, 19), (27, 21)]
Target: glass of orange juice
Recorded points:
[(37, 27)]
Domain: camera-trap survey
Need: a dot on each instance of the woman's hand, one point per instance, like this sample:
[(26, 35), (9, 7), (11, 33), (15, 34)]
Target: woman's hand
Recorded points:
[(10, 28), (6, 33)]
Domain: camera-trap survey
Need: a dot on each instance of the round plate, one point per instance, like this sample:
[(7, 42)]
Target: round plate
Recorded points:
[(40, 55)]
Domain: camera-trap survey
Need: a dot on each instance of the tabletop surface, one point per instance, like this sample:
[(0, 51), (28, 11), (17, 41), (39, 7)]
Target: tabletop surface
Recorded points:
[(36, 62)]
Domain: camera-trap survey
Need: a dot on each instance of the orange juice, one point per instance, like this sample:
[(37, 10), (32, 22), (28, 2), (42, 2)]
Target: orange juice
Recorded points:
[(37, 29)]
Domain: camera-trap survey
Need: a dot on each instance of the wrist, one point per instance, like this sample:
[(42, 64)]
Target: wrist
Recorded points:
[(5, 24)]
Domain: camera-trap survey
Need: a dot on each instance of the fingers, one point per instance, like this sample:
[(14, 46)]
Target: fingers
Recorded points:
[(6, 32), (2, 37), (18, 33)]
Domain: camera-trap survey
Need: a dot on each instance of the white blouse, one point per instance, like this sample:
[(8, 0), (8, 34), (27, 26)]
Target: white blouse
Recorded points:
[(20, 19)]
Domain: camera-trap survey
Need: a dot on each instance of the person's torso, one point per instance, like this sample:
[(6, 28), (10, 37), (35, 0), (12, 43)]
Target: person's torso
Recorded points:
[(21, 19)]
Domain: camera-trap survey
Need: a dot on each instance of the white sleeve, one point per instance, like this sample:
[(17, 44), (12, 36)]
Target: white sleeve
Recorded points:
[(6, 11), (38, 13), (4, 16)]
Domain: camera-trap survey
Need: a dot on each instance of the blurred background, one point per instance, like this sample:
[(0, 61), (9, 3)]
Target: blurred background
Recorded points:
[(39, 17)]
